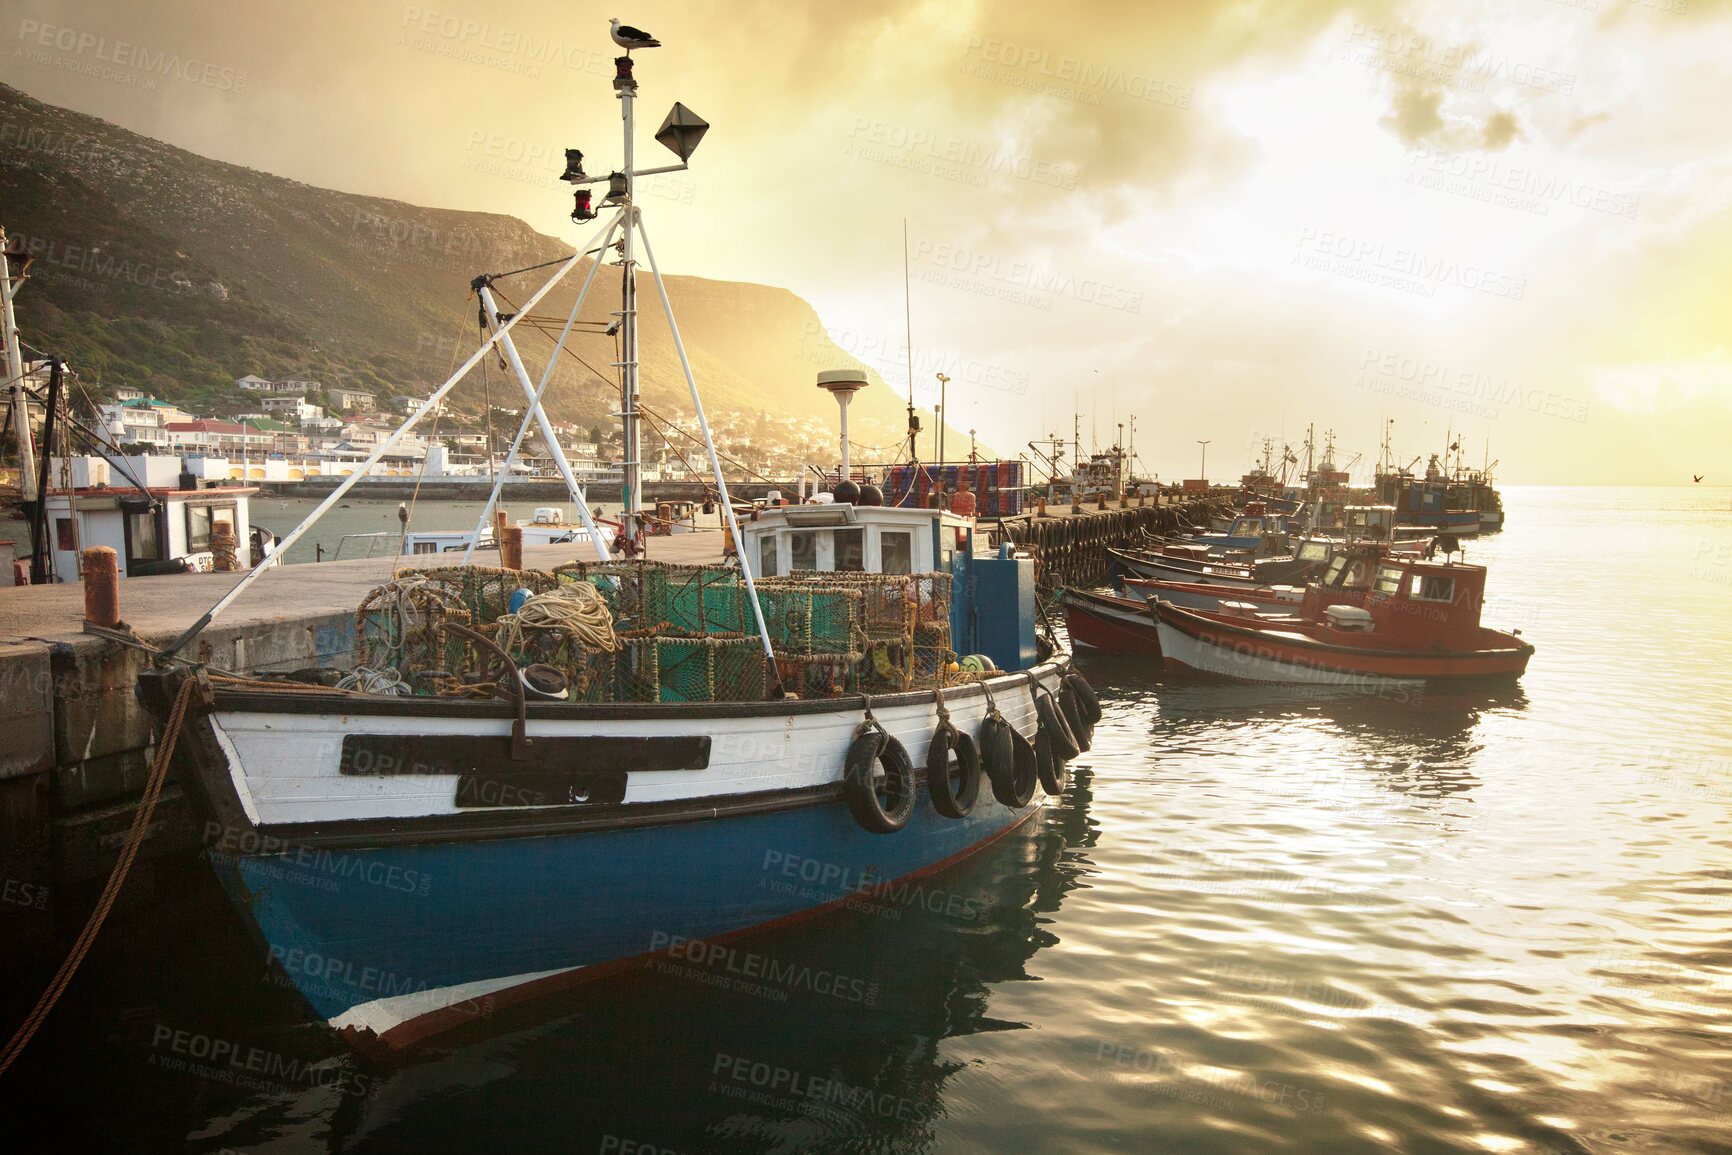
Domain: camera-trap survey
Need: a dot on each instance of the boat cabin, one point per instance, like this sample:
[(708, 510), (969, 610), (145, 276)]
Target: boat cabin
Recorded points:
[(992, 595), (845, 538), (1416, 602)]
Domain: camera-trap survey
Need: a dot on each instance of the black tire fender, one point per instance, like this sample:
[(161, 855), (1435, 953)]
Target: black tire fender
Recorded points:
[(872, 748), (953, 799), (1025, 773), (1054, 774), (1052, 723), (1089, 703), (1079, 729), (998, 756)]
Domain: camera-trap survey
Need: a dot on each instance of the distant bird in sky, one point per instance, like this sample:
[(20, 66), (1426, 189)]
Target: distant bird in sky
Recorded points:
[(1697, 477), (629, 38)]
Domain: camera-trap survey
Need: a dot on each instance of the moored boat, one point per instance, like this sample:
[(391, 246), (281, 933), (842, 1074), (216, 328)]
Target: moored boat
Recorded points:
[(1420, 623), (531, 778), (1112, 624)]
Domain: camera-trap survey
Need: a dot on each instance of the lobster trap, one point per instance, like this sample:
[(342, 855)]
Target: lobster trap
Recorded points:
[(643, 632)]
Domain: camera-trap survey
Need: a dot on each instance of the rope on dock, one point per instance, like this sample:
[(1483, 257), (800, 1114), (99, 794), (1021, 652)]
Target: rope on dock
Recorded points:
[(134, 839)]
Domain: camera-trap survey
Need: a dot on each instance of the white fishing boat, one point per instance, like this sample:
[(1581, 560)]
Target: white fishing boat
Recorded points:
[(533, 778)]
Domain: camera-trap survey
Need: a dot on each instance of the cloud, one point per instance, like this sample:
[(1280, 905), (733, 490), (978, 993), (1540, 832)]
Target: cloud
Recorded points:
[(1500, 129), (1415, 115)]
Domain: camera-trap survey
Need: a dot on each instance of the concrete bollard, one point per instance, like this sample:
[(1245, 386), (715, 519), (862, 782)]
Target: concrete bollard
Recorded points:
[(511, 547), (1042, 507), (102, 586)]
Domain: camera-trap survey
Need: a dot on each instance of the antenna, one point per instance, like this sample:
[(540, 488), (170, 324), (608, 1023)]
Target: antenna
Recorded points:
[(908, 323)]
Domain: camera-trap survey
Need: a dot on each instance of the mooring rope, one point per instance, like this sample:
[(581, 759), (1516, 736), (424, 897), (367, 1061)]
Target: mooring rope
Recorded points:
[(134, 839)]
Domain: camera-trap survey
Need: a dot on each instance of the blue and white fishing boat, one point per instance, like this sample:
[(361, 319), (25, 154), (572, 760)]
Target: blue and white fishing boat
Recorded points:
[(501, 808)]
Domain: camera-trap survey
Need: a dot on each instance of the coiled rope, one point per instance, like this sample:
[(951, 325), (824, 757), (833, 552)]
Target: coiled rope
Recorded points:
[(577, 610)]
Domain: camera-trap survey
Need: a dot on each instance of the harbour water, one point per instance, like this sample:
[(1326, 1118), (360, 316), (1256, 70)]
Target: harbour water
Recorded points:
[(1260, 920)]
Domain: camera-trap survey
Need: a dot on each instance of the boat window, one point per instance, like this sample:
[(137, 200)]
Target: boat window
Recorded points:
[(144, 543), (1389, 579), (1430, 587), (850, 550), (767, 555), (424, 547), (1332, 576), (197, 528), (63, 536), (802, 550), (896, 552), (1314, 551)]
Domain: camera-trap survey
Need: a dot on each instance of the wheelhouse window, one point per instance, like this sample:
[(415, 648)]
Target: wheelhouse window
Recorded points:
[(1315, 551), (64, 539), (197, 528), (424, 547), (896, 552), (143, 537), (1431, 587), (1388, 579), (767, 555), (850, 550), (802, 550)]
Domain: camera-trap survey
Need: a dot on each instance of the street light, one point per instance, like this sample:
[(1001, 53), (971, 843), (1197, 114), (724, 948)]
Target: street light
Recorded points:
[(1204, 466), (971, 447), (942, 382)]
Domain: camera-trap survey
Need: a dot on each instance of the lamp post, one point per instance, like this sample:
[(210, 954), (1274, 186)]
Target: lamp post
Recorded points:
[(971, 447), (1203, 467), (942, 382)]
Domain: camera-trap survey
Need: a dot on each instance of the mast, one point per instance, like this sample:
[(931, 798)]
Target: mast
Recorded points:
[(14, 281), (631, 468)]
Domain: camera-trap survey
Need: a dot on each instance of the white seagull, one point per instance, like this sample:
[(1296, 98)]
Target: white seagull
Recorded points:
[(629, 38)]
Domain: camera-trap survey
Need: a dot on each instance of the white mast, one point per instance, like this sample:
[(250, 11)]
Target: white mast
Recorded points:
[(9, 286)]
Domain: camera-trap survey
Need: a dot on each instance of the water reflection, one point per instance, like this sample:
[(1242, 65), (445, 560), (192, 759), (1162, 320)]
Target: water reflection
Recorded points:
[(845, 1052)]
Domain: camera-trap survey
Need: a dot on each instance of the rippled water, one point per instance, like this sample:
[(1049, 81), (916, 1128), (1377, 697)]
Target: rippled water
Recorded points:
[(1259, 921)]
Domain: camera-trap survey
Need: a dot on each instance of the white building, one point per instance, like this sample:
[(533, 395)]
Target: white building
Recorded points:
[(350, 400), (293, 409)]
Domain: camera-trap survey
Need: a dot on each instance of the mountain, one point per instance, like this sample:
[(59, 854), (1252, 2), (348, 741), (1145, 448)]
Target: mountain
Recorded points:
[(175, 273)]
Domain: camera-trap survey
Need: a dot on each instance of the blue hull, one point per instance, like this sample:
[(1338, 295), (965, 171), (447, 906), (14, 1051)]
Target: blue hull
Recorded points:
[(418, 925)]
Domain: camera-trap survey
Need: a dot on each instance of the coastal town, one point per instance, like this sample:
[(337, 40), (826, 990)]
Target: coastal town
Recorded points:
[(293, 429)]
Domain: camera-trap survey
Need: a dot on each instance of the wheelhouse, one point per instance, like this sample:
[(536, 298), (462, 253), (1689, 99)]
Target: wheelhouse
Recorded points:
[(843, 538)]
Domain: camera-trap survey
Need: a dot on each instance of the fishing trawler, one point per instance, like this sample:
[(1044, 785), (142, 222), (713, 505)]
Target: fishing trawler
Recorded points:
[(1418, 623), (533, 778)]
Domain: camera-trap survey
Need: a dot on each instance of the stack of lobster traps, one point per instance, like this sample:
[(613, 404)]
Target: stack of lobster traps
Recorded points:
[(643, 632)]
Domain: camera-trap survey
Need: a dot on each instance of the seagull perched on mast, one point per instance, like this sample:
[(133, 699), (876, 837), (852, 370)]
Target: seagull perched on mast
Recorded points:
[(629, 38)]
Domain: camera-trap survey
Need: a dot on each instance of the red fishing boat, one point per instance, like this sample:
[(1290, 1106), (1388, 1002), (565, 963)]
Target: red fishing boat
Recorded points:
[(1420, 622), (1110, 623)]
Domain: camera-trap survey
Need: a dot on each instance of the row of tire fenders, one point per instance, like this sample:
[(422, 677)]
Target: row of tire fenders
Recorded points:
[(879, 781)]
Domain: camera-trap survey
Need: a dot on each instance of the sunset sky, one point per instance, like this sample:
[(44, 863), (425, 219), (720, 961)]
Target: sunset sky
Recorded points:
[(1229, 219)]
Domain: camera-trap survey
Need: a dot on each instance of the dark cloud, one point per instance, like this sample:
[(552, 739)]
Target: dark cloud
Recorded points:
[(1500, 129), (1415, 115)]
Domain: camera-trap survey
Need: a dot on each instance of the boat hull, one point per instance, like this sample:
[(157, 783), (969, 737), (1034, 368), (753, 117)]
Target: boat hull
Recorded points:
[(1123, 564), (1110, 624), (398, 907), (1253, 654), (394, 944)]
